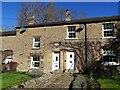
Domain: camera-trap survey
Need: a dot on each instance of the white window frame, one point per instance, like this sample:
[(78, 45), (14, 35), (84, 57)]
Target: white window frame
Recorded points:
[(71, 32), (32, 61), (108, 53), (103, 30), (36, 42)]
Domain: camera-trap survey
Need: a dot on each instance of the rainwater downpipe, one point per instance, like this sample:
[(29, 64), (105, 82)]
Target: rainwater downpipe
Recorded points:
[(85, 45)]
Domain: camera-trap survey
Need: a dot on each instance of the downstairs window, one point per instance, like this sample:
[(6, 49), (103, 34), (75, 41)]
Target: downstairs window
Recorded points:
[(35, 61), (108, 57)]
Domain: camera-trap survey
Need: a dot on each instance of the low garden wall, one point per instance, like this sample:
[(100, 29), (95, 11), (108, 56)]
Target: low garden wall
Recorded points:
[(40, 82)]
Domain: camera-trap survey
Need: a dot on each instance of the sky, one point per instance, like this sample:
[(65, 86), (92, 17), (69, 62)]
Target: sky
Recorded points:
[(10, 10)]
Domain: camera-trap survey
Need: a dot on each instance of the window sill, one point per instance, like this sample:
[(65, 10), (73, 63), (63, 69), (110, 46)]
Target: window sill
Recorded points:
[(109, 63), (71, 38), (108, 54), (35, 48), (34, 67), (108, 37)]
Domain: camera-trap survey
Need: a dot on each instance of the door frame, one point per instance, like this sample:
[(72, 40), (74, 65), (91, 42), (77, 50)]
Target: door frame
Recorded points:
[(53, 59), (67, 60)]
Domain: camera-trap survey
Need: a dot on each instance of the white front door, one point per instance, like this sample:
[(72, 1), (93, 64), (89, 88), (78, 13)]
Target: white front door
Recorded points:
[(56, 61), (70, 60)]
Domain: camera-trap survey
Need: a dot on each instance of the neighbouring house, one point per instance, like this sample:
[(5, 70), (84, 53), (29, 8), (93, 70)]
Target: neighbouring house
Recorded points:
[(36, 46), (6, 60)]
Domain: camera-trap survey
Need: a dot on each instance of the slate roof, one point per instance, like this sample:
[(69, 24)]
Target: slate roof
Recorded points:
[(78, 21), (8, 33)]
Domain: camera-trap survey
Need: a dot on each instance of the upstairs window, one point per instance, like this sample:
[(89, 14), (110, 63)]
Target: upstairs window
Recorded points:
[(108, 30), (71, 32), (36, 42), (35, 61)]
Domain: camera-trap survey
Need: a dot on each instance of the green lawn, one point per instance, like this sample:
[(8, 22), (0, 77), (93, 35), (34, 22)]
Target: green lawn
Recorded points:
[(13, 78), (109, 81)]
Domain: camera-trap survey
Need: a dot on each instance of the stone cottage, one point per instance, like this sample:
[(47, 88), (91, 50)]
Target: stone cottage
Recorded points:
[(37, 46)]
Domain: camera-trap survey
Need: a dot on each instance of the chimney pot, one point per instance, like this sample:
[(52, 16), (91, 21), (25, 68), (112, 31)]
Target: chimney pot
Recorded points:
[(67, 15), (31, 20)]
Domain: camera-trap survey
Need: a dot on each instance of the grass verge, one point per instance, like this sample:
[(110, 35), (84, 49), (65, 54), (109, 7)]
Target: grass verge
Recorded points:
[(109, 81), (10, 79)]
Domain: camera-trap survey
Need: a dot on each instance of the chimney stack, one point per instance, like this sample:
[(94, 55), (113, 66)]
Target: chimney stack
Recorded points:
[(67, 14)]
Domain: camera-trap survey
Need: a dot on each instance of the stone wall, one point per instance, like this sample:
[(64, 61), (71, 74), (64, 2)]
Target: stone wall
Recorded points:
[(40, 82), (22, 44)]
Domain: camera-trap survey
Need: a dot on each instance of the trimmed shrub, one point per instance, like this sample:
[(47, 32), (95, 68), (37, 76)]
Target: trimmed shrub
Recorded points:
[(84, 82), (3, 67), (13, 66)]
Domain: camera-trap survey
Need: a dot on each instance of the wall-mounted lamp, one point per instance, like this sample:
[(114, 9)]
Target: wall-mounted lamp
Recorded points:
[(82, 26), (23, 29)]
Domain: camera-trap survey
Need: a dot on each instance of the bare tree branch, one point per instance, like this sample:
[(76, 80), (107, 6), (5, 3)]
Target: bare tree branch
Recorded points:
[(93, 53)]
